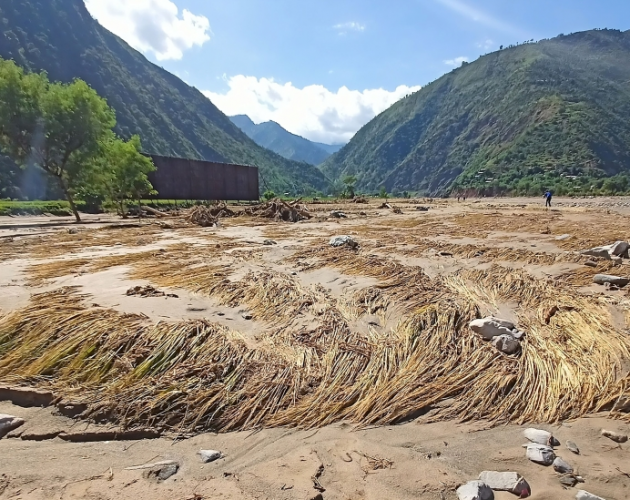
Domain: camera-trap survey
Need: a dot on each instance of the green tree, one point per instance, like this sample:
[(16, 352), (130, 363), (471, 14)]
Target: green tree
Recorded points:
[(269, 195), (121, 170), (383, 192), (58, 127), (349, 182)]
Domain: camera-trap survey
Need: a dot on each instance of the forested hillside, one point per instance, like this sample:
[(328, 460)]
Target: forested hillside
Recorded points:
[(547, 114), (172, 118)]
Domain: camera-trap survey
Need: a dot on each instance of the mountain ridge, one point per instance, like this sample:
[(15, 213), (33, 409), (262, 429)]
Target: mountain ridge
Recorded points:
[(273, 136), (171, 117), (544, 114)]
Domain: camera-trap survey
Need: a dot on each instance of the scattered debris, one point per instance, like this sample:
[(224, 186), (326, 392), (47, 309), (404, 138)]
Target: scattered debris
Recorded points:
[(9, 423), (603, 279), (541, 454), (359, 199), (208, 456), (280, 210), (540, 436), (149, 291), (572, 447), (506, 481), (475, 490), (269, 243), (315, 478), (201, 216), (337, 214), (340, 241), (617, 438), (585, 495), (152, 465), (376, 463), (422, 209), (561, 466)]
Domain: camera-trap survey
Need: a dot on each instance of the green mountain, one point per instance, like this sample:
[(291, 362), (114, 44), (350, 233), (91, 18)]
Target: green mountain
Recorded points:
[(172, 118), (552, 114), (273, 136)]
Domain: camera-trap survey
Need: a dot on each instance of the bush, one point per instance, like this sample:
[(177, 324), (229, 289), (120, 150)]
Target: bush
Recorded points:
[(269, 195)]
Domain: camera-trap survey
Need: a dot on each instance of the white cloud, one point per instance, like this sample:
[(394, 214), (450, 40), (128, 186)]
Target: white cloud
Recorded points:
[(313, 112), (456, 62), (343, 28), (486, 44), (152, 25), (477, 15)]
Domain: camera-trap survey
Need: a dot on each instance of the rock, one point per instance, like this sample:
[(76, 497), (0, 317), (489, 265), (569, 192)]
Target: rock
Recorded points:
[(269, 243), (491, 327), (539, 436), (601, 252), (247, 316), (564, 237), (339, 241), (161, 472), (617, 438), (337, 214), (475, 490), (590, 263), (517, 334), (507, 344), (569, 481), (540, 454), (9, 423), (572, 447), (561, 466), (73, 230), (585, 495), (422, 209), (208, 456), (445, 254), (602, 279), (620, 249), (506, 481)]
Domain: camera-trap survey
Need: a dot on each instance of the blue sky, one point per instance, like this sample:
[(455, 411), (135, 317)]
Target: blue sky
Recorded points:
[(324, 68)]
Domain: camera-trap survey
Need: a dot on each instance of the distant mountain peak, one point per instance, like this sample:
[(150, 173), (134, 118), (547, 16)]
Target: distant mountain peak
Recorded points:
[(272, 135)]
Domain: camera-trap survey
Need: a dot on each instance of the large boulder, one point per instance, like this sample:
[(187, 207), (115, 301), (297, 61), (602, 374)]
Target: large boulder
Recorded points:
[(603, 279), (8, 423), (540, 454), (506, 481), (601, 252), (475, 490)]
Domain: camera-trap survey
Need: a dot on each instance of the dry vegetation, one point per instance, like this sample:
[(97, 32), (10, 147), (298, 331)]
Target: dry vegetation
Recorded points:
[(195, 375)]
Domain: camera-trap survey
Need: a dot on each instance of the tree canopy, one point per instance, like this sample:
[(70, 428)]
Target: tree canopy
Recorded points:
[(66, 130)]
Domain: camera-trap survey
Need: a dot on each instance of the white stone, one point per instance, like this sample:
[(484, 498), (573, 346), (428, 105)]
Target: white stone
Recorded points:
[(564, 237), (507, 344), (490, 327), (572, 447), (585, 495), (540, 454), (602, 279), (475, 490), (561, 466), (505, 481), (539, 436), (209, 455), (8, 423), (339, 241), (616, 437)]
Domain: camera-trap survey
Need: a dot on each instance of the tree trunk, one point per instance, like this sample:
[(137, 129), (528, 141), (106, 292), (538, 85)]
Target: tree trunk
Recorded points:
[(73, 207)]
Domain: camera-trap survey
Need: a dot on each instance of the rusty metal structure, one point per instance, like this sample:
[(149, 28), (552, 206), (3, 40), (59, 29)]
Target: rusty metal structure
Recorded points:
[(184, 179)]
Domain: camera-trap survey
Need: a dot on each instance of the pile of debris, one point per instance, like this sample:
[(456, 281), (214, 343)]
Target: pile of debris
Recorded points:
[(359, 199), (202, 216), (281, 210), (393, 208), (149, 291), (615, 252)]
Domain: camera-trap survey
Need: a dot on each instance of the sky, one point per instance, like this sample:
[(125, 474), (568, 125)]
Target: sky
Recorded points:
[(323, 69)]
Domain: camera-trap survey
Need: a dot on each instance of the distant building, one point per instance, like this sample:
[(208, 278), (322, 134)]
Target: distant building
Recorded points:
[(184, 179)]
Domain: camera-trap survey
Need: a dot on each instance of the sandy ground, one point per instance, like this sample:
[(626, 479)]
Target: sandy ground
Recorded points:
[(424, 460)]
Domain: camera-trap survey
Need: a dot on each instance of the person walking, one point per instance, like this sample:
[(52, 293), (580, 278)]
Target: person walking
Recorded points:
[(548, 196)]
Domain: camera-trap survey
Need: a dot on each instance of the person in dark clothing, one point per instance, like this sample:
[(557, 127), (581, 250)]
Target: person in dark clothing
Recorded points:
[(548, 196)]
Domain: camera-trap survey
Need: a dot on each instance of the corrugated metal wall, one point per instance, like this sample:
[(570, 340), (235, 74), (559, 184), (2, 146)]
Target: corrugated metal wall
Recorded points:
[(182, 179)]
